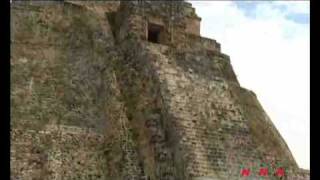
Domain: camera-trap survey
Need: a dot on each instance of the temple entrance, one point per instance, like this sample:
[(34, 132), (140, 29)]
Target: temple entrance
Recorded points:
[(154, 33)]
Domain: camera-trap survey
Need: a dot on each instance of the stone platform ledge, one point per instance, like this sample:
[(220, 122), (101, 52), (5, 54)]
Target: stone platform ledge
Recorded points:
[(50, 128), (161, 47), (205, 42)]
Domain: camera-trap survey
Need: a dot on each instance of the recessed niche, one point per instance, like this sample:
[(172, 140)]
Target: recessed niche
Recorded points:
[(154, 33)]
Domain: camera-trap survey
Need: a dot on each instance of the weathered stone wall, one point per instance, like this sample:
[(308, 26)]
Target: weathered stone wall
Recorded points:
[(100, 7), (197, 43), (59, 65), (62, 74), (57, 152), (215, 129), (195, 119), (146, 113), (258, 122), (177, 19), (193, 26), (185, 107)]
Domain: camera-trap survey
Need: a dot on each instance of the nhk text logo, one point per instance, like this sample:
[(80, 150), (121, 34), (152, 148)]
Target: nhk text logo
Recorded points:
[(264, 170)]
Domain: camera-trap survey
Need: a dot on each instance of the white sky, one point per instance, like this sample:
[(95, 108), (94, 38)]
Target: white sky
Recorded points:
[(270, 54)]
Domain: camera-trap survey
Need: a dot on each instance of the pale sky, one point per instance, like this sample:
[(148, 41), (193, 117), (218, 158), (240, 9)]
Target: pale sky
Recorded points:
[(269, 46)]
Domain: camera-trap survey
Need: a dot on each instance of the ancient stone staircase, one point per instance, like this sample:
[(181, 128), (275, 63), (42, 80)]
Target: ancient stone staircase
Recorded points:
[(206, 117)]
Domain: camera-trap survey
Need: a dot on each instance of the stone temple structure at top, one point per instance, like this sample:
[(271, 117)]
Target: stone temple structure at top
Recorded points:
[(172, 23), (130, 90)]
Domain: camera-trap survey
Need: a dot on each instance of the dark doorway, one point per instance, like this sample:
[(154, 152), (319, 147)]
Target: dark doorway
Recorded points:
[(153, 36), (154, 32)]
